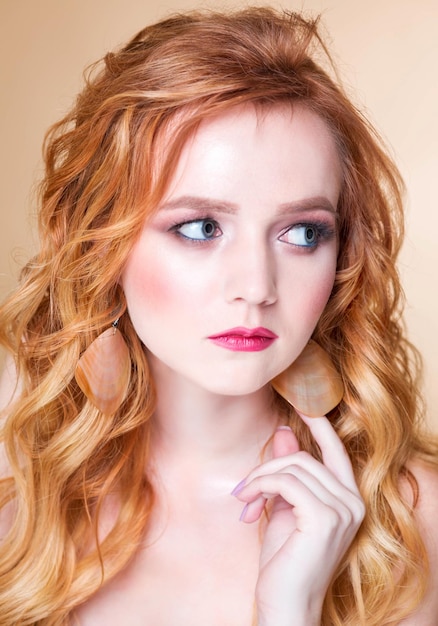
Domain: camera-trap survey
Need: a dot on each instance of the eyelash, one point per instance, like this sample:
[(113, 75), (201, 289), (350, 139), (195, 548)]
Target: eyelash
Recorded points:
[(324, 232), (175, 229)]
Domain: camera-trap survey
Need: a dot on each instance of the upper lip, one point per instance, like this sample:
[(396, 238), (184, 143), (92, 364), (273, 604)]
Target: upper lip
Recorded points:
[(246, 332)]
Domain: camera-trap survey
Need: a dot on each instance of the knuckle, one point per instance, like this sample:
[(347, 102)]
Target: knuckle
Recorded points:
[(301, 456), (360, 509), (331, 519), (294, 471), (345, 515)]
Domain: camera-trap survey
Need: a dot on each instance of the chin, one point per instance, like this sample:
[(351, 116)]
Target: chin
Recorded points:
[(235, 389)]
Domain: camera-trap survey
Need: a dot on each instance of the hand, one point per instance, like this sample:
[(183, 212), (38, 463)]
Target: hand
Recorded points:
[(315, 515)]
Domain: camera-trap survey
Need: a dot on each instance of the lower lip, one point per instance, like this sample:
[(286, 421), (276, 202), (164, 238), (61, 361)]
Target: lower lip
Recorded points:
[(238, 343)]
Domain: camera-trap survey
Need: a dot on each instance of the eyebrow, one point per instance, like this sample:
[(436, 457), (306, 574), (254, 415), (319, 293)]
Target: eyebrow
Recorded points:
[(222, 206), (199, 202)]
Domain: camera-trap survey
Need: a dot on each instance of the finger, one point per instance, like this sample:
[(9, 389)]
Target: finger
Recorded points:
[(292, 464), (326, 490), (307, 498), (284, 442), (252, 511), (287, 489), (334, 454), (329, 492)]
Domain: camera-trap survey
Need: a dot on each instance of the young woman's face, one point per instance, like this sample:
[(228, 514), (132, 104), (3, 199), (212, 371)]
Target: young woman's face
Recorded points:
[(229, 278)]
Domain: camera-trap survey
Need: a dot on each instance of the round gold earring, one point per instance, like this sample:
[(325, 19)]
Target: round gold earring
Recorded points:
[(311, 384)]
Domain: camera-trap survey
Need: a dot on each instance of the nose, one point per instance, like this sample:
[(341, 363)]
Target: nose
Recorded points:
[(250, 274)]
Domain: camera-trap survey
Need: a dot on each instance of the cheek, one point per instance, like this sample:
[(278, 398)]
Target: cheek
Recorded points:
[(152, 288), (320, 293), (325, 291), (156, 285), (145, 285)]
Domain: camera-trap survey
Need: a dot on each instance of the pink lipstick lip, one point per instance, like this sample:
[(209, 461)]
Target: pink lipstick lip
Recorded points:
[(240, 331), (244, 339)]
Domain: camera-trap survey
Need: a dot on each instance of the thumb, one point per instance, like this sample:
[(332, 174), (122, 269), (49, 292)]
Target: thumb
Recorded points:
[(284, 442)]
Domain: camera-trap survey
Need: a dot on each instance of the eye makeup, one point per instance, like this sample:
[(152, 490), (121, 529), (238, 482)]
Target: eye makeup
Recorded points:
[(197, 230), (308, 234), (303, 235)]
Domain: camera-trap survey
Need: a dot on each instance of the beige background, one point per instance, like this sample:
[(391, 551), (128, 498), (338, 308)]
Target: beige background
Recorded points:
[(388, 54)]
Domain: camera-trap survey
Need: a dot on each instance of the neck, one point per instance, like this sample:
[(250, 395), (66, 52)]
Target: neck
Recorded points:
[(193, 423)]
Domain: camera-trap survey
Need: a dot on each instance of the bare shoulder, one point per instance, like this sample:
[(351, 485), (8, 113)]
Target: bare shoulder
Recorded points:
[(8, 392), (9, 389), (426, 510), (9, 386), (426, 514)]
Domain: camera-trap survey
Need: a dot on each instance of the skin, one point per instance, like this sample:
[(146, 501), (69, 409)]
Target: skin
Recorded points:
[(255, 177), (258, 181), (199, 563)]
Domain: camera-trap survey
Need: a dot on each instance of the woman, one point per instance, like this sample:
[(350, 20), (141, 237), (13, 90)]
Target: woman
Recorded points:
[(212, 203)]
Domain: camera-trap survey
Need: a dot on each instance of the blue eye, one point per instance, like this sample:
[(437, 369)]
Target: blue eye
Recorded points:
[(305, 235), (198, 230)]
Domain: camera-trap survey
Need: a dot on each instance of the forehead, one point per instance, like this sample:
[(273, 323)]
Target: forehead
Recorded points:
[(289, 149)]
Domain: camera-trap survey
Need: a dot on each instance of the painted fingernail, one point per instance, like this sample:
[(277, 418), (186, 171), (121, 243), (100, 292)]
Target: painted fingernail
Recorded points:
[(284, 428), (238, 488), (242, 515)]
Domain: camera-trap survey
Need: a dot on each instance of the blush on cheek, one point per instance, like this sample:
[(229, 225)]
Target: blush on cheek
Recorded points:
[(147, 288), (322, 295)]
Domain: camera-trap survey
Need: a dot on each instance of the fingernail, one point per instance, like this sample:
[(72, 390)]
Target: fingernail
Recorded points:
[(242, 515), (284, 428), (238, 488)]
